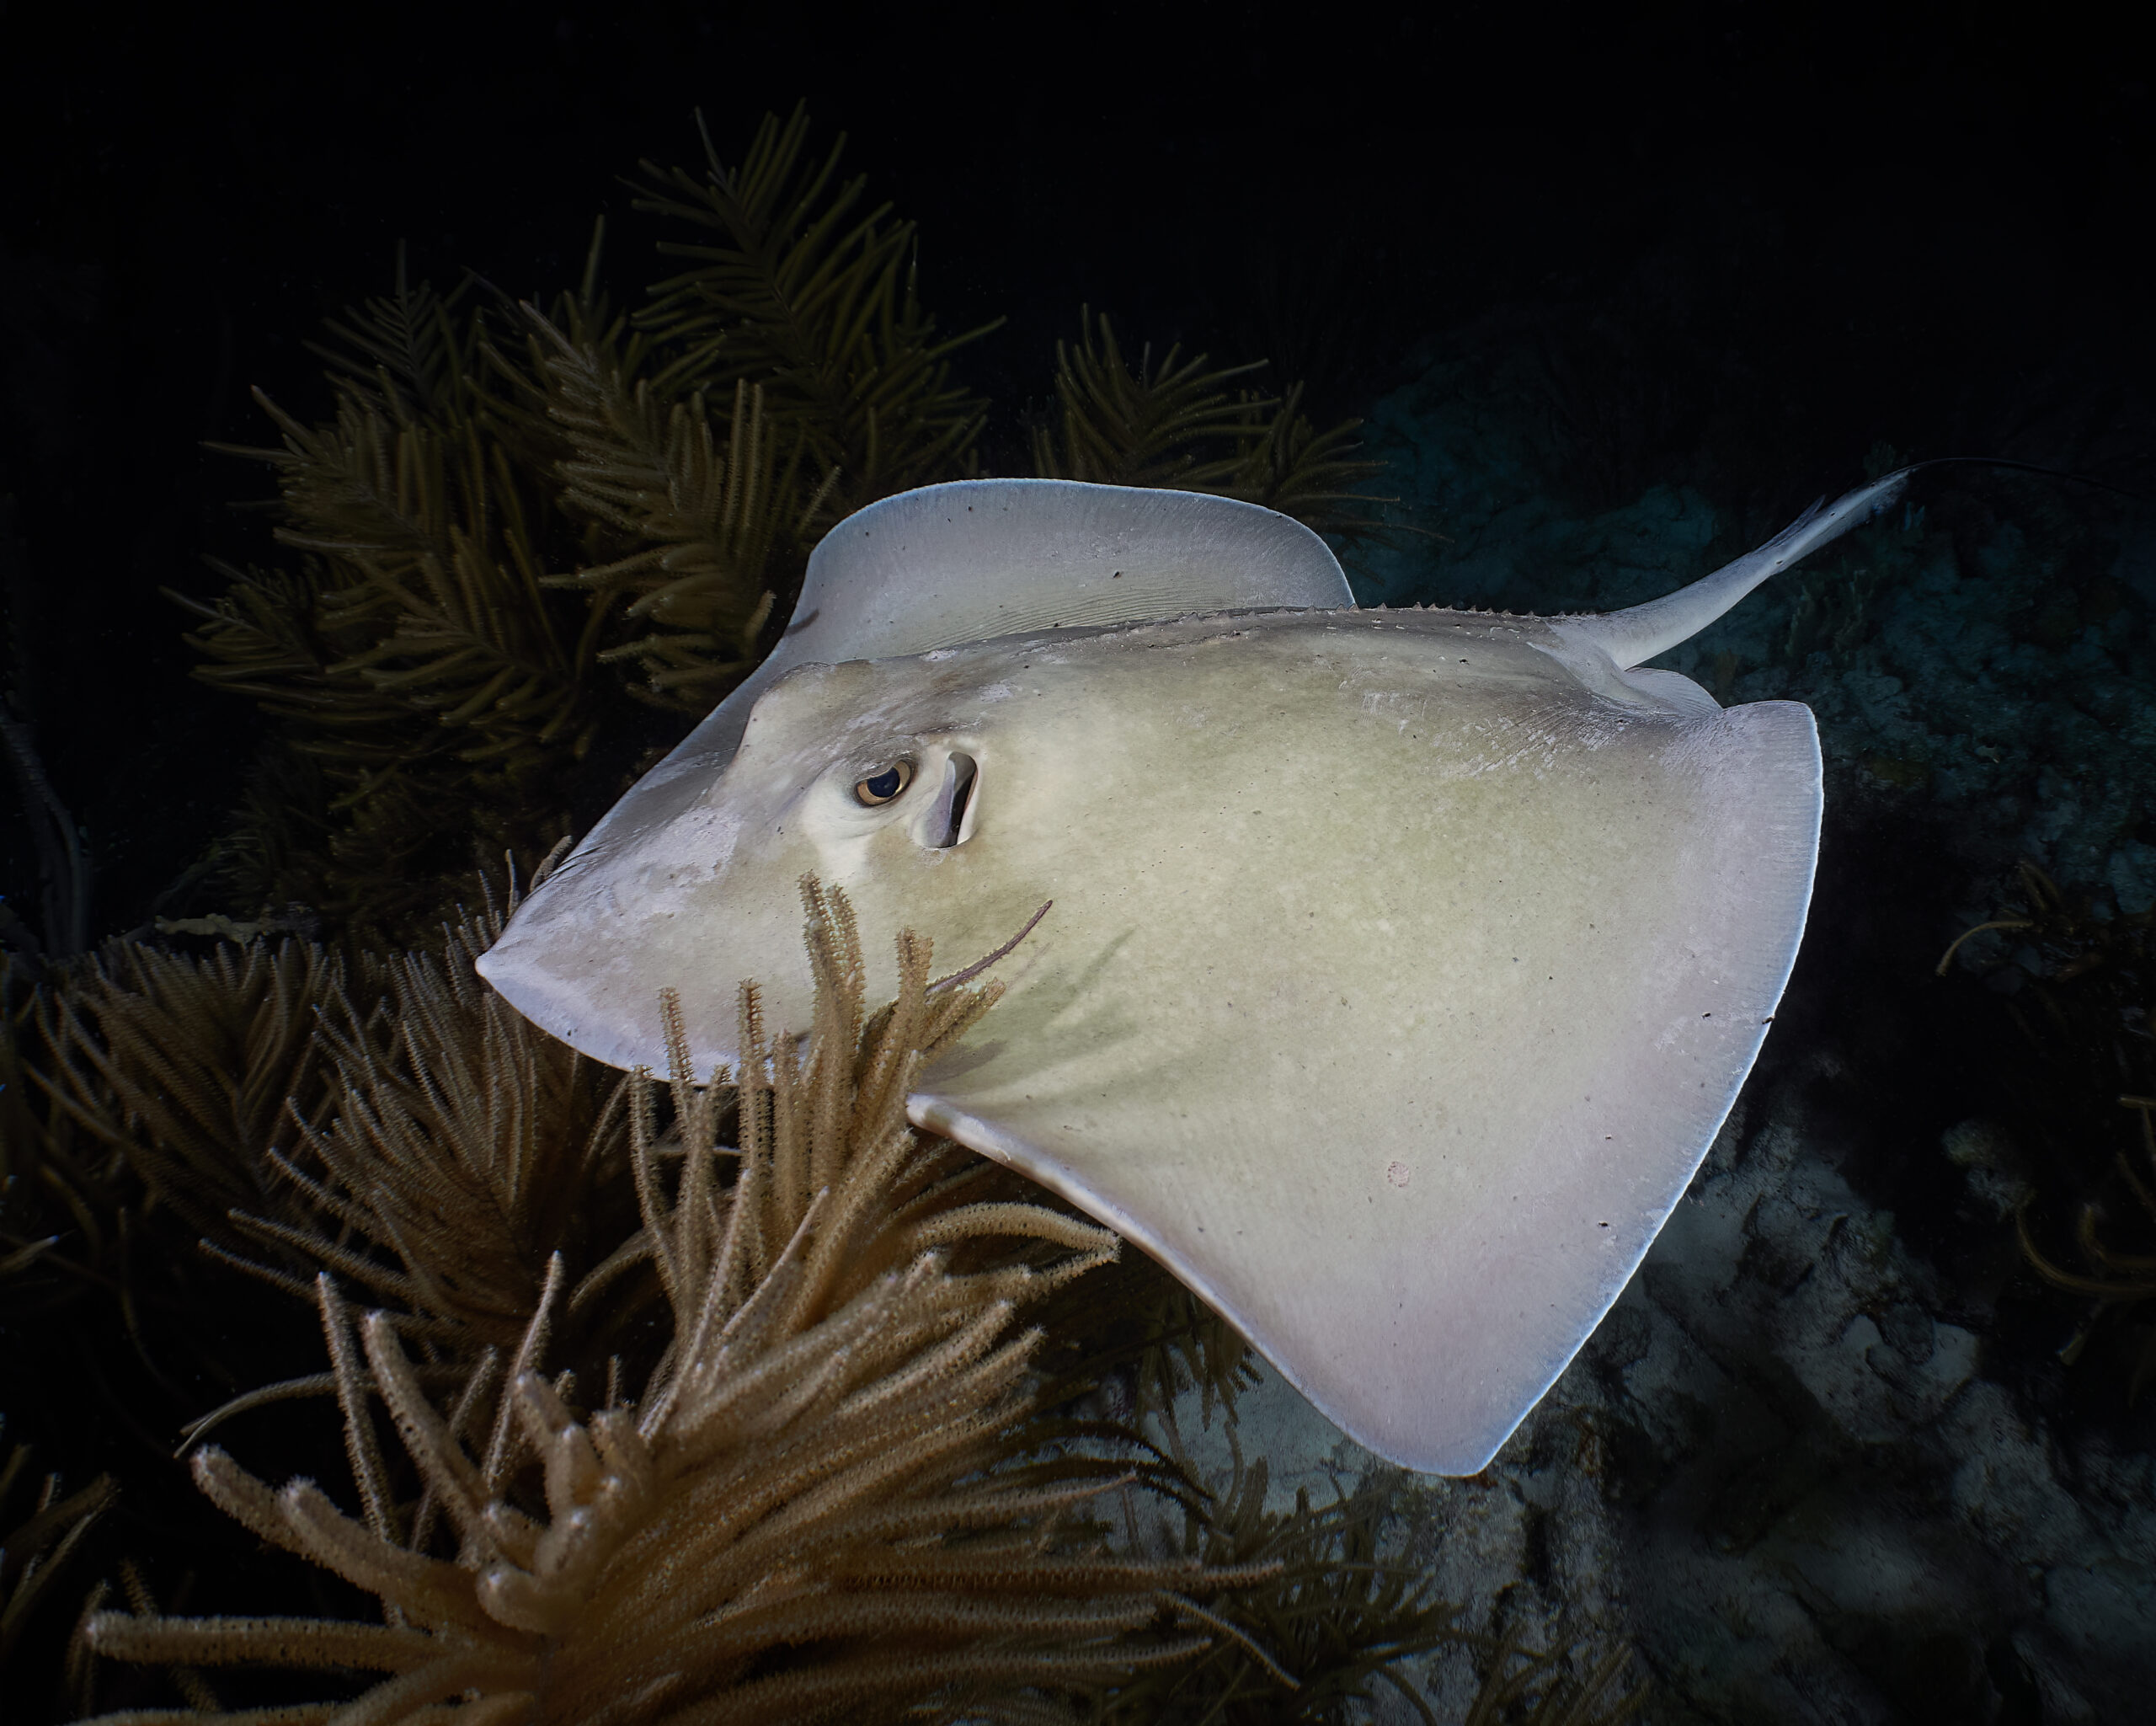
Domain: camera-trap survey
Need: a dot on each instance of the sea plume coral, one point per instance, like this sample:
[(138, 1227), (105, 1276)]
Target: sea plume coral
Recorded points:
[(38, 1538), (189, 1068), (824, 1498), (1175, 423), (459, 1149)]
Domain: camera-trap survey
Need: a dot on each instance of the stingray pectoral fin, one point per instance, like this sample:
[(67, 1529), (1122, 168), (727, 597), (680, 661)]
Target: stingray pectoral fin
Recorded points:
[(1411, 1138)]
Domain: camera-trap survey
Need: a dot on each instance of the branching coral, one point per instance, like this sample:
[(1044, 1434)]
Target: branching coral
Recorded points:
[(515, 516), (138, 1091), (2082, 987), (1135, 1326), (464, 1148), (508, 500), (1338, 1618), (819, 1305), (1352, 1616), (717, 522), (1526, 1687), (822, 1500), (276, 1108), (427, 1143), (37, 1542), (793, 287), (427, 504), (2112, 1277), (187, 1067), (56, 1179), (414, 657), (1178, 424)]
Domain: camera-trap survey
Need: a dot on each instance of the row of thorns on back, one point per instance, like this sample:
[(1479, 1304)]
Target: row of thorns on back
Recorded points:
[(848, 1485)]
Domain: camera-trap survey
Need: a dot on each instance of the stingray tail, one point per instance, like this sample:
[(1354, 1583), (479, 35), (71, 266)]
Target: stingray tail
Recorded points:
[(1639, 632)]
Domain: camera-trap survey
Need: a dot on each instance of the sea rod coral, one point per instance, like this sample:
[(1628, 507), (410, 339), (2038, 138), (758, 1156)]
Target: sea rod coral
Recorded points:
[(822, 1500)]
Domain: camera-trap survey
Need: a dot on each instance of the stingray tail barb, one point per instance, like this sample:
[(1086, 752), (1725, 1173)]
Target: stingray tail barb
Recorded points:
[(1639, 632)]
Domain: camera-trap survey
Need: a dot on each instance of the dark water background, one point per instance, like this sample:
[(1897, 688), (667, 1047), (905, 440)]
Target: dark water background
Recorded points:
[(1787, 238)]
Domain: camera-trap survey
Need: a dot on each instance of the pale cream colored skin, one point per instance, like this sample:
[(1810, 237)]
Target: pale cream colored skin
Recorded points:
[(1402, 965)]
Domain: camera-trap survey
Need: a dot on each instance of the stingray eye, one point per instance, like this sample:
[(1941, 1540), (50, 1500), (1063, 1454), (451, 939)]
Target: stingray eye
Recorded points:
[(882, 788)]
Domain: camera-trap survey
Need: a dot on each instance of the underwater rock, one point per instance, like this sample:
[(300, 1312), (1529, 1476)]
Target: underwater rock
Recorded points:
[(1779, 1472), (1990, 1162)]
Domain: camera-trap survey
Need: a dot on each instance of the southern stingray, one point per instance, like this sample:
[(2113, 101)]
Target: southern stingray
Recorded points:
[(1402, 965)]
